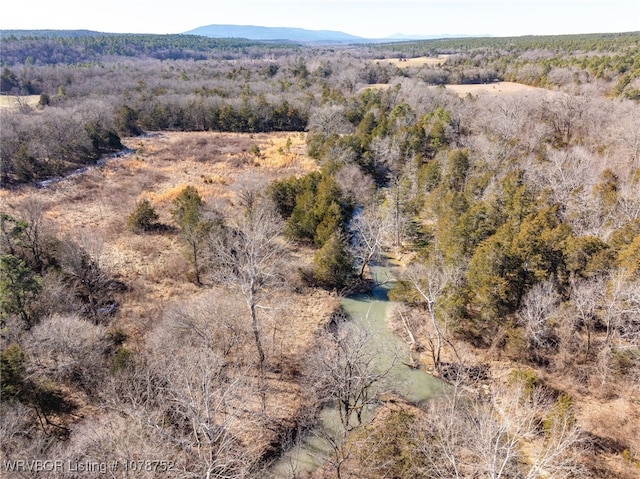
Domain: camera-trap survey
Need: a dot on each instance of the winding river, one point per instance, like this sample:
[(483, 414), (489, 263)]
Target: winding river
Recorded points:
[(371, 310)]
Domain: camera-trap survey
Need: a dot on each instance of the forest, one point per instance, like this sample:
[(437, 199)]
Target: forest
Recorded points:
[(182, 219)]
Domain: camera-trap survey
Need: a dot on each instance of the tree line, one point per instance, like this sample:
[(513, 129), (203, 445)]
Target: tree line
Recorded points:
[(92, 47), (274, 89)]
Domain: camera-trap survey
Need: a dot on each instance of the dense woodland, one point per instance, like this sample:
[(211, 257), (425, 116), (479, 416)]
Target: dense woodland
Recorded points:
[(515, 217)]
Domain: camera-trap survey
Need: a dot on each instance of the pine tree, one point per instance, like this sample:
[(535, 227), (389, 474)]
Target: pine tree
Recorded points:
[(333, 263), (143, 218), (19, 288), (187, 213)]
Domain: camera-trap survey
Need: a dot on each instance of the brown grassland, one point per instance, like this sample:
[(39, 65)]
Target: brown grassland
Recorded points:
[(97, 203), (418, 61), (15, 101), (494, 89), (93, 208)]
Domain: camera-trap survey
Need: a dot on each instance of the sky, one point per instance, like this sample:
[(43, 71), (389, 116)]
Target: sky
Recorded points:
[(365, 18)]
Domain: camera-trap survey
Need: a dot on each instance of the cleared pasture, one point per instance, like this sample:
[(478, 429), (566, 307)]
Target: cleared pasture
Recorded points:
[(418, 61), (493, 89), (16, 101)]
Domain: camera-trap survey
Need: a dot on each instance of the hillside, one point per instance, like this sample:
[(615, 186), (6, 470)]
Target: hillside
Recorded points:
[(275, 33)]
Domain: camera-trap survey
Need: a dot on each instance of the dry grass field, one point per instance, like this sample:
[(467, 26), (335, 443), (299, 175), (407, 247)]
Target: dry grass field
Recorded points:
[(418, 62), (493, 89), (92, 209), (14, 101)]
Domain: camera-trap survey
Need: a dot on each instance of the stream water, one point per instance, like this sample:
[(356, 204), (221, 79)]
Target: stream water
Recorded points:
[(81, 171), (371, 311)]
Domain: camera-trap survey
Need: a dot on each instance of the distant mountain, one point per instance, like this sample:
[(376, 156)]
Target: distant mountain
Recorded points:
[(275, 33)]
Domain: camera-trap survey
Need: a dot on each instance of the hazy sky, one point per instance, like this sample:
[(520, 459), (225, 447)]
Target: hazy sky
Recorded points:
[(367, 18)]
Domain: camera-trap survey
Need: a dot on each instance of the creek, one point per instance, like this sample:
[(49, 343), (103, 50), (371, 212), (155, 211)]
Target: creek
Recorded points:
[(102, 161), (371, 310)]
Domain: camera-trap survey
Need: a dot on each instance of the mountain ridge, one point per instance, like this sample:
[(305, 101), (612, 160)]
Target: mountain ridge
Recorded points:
[(255, 32)]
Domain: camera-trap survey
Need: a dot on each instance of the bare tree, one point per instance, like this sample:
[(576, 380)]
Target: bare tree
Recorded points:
[(567, 178), (205, 401), (36, 239), (339, 154), (329, 120), (628, 201), (538, 306), (189, 399), (497, 436), (191, 322), (122, 443), (387, 158), (431, 281), (586, 297), (354, 182), (71, 351), (622, 307), (81, 263), (19, 435), (627, 132), (368, 230), (566, 115), (247, 256), (395, 215), (569, 171)]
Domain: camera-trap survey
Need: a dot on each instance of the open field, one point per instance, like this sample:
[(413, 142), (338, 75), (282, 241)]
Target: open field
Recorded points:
[(493, 89), (92, 209), (95, 205), (419, 61), (15, 101)]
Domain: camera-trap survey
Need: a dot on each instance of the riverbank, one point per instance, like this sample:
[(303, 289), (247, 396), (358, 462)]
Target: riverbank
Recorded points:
[(596, 408), (368, 312)]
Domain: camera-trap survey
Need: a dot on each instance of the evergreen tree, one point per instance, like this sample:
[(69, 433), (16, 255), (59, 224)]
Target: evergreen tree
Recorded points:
[(19, 289), (333, 263), (188, 214), (143, 218), (187, 207), (320, 208), (12, 372)]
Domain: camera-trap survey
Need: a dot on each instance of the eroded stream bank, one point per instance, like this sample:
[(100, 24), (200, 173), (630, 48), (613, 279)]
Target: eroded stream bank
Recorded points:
[(370, 310)]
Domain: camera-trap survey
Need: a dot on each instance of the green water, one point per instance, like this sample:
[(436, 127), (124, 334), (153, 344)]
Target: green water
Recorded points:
[(370, 311)]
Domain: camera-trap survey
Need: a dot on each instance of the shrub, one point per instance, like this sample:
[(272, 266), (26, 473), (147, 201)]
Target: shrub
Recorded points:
[(143, 218), (525, 378), (19, 289), (11, 372)]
